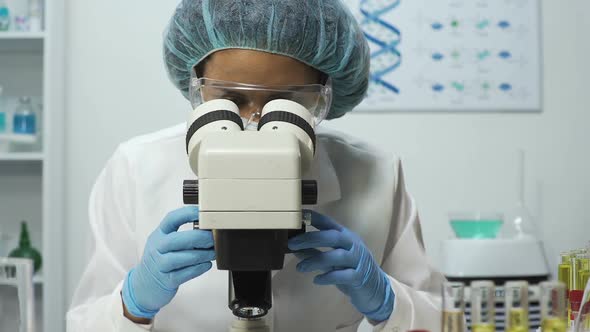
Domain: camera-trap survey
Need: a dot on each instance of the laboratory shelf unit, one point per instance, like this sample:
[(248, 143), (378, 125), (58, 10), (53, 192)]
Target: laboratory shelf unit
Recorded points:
[(31, 167)]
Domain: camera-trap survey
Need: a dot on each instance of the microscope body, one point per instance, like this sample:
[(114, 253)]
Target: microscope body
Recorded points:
[(250, 192), (251, 180)]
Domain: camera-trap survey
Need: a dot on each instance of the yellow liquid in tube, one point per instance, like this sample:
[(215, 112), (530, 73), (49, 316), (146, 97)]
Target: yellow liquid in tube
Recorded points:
[(518, 329), (563, 274), (554, 325), (518, 320), (583, 277), (483, 328), (453, 321)]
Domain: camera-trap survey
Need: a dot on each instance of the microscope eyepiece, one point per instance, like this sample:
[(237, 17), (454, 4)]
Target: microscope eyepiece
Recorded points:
[(288, 117)]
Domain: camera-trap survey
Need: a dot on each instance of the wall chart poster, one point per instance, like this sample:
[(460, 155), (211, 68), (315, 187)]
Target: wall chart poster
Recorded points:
[(452, 55)]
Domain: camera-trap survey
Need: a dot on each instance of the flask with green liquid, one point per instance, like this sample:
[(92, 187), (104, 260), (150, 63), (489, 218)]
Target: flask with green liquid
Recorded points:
[(25, 250)]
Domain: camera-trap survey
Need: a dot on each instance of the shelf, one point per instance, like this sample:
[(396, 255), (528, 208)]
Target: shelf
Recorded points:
[(21, 156), (18, 138), (37, 280), (15, 35)]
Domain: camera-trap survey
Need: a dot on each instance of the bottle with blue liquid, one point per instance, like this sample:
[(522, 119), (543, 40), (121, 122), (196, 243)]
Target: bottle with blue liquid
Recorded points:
[(3, 119), (25, 119), (4, 16)]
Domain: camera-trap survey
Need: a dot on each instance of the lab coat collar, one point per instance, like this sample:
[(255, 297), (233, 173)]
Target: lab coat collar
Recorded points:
[(322, 170)]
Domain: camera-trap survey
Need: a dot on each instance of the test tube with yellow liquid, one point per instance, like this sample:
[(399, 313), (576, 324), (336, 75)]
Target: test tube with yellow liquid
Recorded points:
[(584, 272), (583, 323), (517, 306), (453, 318), (553, 307), (583, 283), (579, 277), (564, 270), (483, 306)]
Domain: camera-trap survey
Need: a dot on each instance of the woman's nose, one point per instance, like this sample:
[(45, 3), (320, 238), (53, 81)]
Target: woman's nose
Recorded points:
[(251, 112)]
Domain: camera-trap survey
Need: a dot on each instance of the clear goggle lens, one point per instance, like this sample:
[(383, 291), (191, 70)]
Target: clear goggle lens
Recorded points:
[(250, 98)]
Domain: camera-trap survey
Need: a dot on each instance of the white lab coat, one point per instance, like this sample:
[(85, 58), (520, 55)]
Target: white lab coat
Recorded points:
[(360, 187)]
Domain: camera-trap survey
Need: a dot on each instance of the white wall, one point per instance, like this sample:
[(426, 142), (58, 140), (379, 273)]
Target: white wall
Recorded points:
[(117, 88)]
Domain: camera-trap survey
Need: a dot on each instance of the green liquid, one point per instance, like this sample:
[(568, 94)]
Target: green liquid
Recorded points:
[(476, 229), (2, 120)]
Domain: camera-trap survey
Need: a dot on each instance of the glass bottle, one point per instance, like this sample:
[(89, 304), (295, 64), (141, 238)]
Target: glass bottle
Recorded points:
[(25, 119), (4, 16), (3, 117), (25, 250), (35, 15)]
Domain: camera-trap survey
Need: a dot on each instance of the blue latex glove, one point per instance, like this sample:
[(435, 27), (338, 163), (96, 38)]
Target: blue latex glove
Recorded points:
[(349, 266), (170, 258)]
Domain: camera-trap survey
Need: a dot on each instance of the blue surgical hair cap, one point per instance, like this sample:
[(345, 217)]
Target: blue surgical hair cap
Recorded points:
[(320, 33)]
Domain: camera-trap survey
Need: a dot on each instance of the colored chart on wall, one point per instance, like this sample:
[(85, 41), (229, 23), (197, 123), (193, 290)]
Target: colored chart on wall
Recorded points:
[(452, 55)]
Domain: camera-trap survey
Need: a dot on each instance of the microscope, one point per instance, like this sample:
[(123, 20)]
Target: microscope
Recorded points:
[(250, 194)]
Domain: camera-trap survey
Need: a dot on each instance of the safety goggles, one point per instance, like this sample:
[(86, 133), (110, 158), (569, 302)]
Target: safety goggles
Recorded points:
[(251, 98)]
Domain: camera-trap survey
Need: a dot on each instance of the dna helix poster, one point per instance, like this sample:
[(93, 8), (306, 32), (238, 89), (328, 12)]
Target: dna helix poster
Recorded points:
[(452, 55)]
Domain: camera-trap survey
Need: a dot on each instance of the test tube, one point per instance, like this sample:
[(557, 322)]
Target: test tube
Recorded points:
[(585, 279), (564, 269), (585, 310), (564, 274), (579, 262), (517, 306), (584, 273), (482, 306), (584, 314), (553, 307), (453, 319), (585, 307)]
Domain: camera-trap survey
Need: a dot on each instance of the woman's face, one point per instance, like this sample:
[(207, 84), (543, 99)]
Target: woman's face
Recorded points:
[(256, 67)]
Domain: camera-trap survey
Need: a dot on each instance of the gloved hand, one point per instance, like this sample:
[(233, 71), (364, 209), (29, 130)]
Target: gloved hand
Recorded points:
[(170, 258), (349, 266)]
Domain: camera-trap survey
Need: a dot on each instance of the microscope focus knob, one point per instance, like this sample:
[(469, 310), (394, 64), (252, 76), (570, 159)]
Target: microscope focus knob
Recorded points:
[(309, 192), (190, 192)]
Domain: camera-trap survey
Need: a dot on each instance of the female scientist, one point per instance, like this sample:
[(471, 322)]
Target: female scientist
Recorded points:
[(146, 274)]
